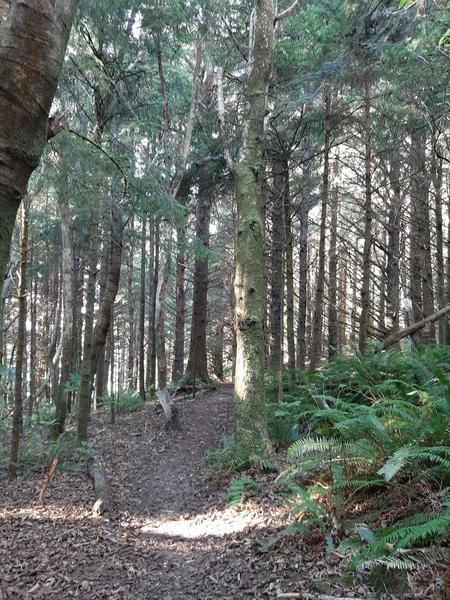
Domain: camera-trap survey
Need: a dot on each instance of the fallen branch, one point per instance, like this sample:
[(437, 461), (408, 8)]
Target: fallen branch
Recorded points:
[(48, 480), (96, 472), (414, 328)]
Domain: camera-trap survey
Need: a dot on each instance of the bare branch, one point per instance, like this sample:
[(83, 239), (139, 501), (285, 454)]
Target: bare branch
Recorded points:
[(287, 12), (221, 114)]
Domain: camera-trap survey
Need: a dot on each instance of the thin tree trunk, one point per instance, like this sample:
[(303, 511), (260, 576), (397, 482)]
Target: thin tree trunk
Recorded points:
[(160, 322), (152, 316), (303, 261), (217, 353), (289, 267), (112, 284), (33, 342), (84, 393), (142, 312), (437, 175), (367, 250), (276, 269), (393, 247), (415, 275), (332, 274), (20, 345), (318, 305), (343, 282), (68, 293), (130, 305), (180, 292)]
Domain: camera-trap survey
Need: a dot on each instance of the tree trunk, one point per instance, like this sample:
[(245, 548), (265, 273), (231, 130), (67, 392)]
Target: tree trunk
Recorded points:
[(197, 366), (180, 292), (332, 274), (393, 247), (20, 345), (142, 312), (343, 291), (112, 284), (303, 260), (289, 267), (130, 304), (437, 175), (318, 305), (33, 39), (276, 269), (68, 292), (217, 352), (415, 278), (84, 393), (251, 427), (154, 254), (160, 322), (367, 250)]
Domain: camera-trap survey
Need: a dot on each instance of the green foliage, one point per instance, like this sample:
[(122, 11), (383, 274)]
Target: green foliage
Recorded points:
[(367, 424), (237, 488), (127, 401), (235, 457)]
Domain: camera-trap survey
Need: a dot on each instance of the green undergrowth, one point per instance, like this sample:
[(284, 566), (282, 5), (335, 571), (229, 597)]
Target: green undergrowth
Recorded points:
[(368, 456)]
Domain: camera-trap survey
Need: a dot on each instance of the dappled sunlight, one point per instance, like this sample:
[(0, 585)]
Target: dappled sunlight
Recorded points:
[(226, 522)]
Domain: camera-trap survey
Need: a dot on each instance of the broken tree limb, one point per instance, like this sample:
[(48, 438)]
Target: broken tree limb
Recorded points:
[(96, 472), (48, 480), (165, 398), (414, 328)]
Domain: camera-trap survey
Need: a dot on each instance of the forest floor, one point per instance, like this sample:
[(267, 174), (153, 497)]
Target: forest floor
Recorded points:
[(169, 533)]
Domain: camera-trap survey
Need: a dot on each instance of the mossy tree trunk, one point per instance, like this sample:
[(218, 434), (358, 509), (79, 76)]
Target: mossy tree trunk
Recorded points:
[(251, 427)]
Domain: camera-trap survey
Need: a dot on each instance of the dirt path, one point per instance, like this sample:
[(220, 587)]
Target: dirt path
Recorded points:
[(170, 534)]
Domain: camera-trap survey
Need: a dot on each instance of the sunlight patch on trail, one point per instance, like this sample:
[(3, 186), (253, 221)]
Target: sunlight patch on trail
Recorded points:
[(207, 525)]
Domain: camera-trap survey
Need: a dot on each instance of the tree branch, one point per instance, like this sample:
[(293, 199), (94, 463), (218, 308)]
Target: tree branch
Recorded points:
[(221, 114), (414, 328), (287, 12)]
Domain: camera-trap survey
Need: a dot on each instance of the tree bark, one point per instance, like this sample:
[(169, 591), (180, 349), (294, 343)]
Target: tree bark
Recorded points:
[(249, 392), (197, 366), (33, 40)]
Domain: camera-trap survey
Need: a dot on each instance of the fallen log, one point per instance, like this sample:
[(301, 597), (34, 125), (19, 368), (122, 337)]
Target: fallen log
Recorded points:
[(96, 472), (414, 328)]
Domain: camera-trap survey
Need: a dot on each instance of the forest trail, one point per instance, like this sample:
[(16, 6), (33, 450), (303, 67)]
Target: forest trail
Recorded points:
[(170, 534)]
